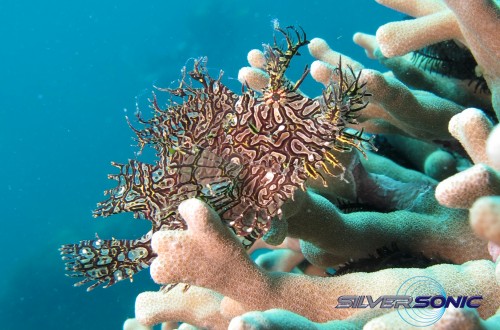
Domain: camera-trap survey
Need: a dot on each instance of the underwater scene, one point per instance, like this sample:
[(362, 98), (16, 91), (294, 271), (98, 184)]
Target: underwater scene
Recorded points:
[(264, 164)]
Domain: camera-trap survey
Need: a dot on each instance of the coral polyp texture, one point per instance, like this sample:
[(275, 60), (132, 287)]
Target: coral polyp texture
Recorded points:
[(245, 287), (245, 155)]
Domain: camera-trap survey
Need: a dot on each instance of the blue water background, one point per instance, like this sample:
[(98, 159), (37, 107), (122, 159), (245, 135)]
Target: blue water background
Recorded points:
[(69, 70)]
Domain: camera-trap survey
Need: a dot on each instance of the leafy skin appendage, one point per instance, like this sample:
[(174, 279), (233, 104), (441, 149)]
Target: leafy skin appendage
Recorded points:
[(244, 155)]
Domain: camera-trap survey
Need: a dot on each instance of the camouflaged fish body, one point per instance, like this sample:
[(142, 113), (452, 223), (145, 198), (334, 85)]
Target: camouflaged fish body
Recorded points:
[(244, 155)]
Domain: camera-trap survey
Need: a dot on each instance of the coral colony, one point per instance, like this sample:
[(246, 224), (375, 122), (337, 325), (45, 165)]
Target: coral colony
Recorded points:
[(243, 155), (345, 224)]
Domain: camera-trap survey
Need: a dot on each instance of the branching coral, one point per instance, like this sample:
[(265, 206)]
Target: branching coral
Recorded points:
[(472, 23), (414, 76), (329, 232), (434, 23), (276, 164), (198, 306), (223, 266), (134, 324), (243, 154), (410, 217), (471, 128), (393, 108), (478, 187)]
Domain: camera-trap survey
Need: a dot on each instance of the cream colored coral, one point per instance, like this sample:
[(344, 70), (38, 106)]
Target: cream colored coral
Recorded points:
[(458, 319), (466, 189), (472, 128), (134, 324), (219, 263), (493, 148), (368, 42), (393, 107), (172, 325), (322, 72), (417, 113), (473, 23), (405, 69), (485, 218), (494, 250), (497, 272), (463, 188), (320, 50), (197, 306), (256, 59), (400, 38), (187, 326), (479, 22), (434, 22), (254, 76)]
